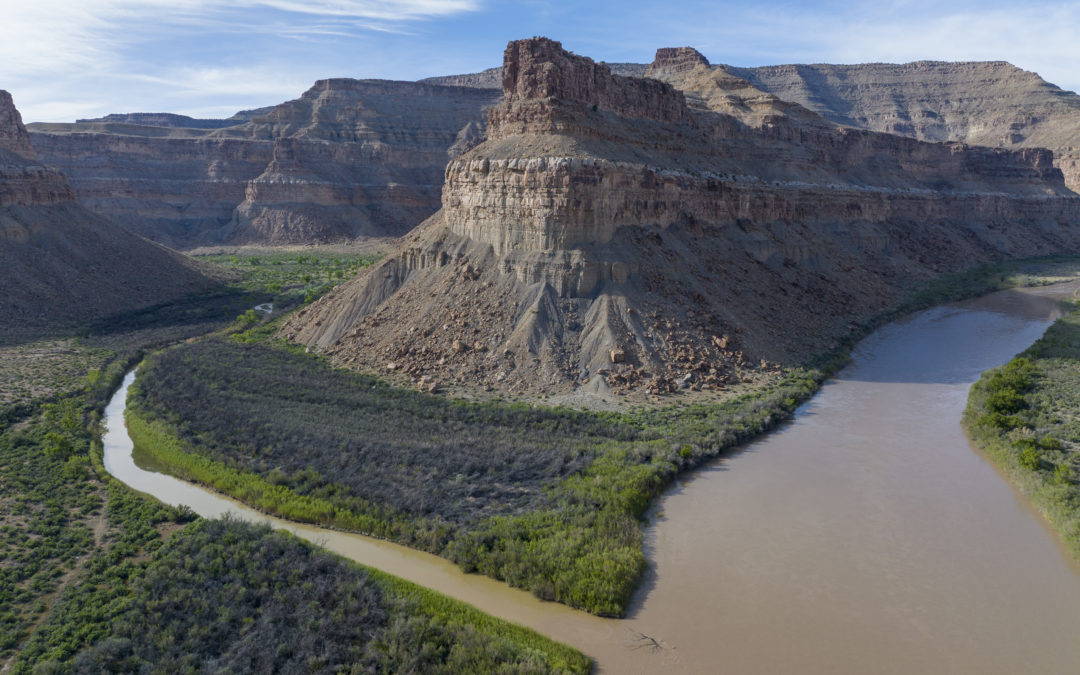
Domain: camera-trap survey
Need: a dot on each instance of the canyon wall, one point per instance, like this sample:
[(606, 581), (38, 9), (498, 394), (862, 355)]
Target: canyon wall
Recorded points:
[(615, 234), (348, 159), (59, 262), (985, 103), (991, 103)]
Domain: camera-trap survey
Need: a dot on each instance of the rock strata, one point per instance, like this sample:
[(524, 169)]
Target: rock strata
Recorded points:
[(13, 135), (676, 60), (61, 263), (365, 158), (638, 236), (990, 103)]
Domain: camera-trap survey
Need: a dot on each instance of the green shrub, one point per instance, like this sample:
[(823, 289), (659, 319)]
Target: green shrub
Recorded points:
[(1005, 401), (1029, 457), (1037, 392)]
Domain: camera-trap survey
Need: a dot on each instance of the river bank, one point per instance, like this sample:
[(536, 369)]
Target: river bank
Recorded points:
[(849, 536), (1024, 416)]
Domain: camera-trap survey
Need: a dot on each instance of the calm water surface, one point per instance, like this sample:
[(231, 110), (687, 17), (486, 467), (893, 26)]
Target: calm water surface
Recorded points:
[(867, 536)]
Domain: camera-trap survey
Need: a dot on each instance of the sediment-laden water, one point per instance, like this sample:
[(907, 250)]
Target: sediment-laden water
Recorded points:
[(867, 536)]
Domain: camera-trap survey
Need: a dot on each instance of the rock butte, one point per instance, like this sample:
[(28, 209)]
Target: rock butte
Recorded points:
[(62, 262), (623, 234), (991, 103), (365, 158)]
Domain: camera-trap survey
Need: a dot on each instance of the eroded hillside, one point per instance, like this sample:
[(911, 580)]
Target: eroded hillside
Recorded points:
[(619, 233), (985, 103)]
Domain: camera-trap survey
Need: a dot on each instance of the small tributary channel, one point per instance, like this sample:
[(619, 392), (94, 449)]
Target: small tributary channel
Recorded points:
[(866, 536)]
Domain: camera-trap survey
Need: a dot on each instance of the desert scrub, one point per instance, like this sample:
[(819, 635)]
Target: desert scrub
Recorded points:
[(288, 278), (1026, 416), (222, 595), (85, 562), (547, 499), (44, 370)]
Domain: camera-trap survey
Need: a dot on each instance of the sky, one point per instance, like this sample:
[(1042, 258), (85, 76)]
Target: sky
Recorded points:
[(68, 59)]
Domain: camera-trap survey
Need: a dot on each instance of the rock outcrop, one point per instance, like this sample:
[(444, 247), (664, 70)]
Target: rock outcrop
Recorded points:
[(59, 262), (349, 158), (991, 103), (982, 103), (614, 233), (13, 135)]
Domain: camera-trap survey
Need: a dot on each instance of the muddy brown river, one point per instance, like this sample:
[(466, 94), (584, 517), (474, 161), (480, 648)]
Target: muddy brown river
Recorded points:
[(866, 536)]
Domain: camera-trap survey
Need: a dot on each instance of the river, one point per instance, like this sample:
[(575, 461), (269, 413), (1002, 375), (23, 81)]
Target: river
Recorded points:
[(866, 536)]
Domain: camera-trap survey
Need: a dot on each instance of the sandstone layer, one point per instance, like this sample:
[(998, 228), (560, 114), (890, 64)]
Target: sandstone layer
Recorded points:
[(626, 234), (59, 262), (990, 103), (985, 103), (348, 159)]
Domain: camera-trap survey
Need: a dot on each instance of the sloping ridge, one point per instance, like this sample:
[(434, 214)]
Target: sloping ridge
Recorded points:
[(621, 234), (62, 263)]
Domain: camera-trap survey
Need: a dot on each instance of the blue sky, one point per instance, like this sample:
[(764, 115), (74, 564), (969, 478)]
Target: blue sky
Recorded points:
[(67, 59)]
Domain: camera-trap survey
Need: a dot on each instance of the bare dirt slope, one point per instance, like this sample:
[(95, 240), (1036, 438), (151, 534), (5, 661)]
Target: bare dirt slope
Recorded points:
[(616, 233)]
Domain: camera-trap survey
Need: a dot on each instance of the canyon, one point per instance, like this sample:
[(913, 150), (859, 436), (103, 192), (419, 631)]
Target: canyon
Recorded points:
[(639, 236), (64, 263), (364, 158), (990, 103), (348, 159)]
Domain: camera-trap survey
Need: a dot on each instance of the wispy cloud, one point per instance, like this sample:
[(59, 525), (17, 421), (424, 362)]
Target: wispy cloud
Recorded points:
[(101, 44), (98, 56)]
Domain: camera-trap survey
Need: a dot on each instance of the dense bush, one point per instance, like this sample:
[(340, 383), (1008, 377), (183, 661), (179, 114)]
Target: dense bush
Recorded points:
[(546, 499), (1026, 416), (297, 423), (225, 596)]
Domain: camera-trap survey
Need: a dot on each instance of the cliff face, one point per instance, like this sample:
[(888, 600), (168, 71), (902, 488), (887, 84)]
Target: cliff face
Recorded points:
[(60, 262), (348, 159), (638, 235), (13, 135), (985, 103)]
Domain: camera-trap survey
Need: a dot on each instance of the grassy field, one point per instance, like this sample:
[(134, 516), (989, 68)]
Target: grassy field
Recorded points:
[(97, 578), (1026, 416)]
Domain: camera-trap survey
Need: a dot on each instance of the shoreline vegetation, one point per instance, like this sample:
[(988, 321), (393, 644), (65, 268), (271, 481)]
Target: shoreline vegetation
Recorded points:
[(1025, 415), (577, 539), (101, 578)]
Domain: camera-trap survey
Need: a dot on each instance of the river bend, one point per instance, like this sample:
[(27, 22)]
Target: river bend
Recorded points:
[(866, 536)]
